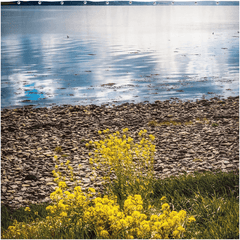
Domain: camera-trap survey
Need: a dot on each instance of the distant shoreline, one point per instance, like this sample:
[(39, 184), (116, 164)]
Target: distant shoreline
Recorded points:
[(121, 3), (114, 103)]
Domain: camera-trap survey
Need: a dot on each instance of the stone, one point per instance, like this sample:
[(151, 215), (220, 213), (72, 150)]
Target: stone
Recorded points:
[(229, 166), (19, 198), (50, 183), (183, 133), (29, 150)]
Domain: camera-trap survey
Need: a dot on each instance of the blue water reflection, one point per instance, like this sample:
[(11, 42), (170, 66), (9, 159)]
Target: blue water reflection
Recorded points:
[(94, 55)]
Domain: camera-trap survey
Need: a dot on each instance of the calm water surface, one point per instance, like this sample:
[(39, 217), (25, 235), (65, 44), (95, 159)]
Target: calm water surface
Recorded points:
[(115, 54)]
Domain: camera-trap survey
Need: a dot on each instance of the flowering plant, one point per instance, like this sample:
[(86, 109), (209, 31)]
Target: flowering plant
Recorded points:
[(126, 165), (74, 212)]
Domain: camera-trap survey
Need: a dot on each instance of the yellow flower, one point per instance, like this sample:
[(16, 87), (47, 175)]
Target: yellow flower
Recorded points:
[(143, 217), (130, 237), (62, 184), (78, 189), (181, 229), (173, 214), (163, 198), (136, 214), (63, 214), (104, 234), (123, 223), (182, 214), (99, 132), (67, 193), (11, 228), (165, 206), (129, 219), (165, 225), (145, 226), (67, 162), (139, 207), (92, 190), (176, 234), (27, 209), (157, 236), (70, 168), (153, 218), (152, 137), (191, 219)]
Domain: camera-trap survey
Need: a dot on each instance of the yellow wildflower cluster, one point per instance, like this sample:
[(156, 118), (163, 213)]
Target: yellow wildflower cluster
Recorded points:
[(109, 221), (130, 163), (46, 228), (77, 213), (67, 210)]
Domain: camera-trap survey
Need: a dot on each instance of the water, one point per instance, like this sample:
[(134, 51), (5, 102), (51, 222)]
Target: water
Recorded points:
[(114, 54)]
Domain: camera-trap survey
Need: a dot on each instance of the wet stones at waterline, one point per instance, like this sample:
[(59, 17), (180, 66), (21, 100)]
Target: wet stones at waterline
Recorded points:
[(189, 136)]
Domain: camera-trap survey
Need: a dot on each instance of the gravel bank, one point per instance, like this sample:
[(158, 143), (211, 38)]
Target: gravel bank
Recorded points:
[(190, 136)]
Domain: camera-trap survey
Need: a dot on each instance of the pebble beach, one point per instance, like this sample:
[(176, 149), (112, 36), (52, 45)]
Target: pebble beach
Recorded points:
[(201, 135)]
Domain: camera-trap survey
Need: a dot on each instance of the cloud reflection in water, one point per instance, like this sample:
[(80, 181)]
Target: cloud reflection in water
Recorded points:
[(150, 53)]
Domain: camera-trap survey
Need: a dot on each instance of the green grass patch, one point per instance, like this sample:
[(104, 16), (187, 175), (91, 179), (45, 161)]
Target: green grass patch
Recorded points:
[(8, 214), (212, 198)]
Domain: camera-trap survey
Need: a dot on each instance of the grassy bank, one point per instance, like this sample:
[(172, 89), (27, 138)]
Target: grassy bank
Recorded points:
[(134, 204), (213, 199)]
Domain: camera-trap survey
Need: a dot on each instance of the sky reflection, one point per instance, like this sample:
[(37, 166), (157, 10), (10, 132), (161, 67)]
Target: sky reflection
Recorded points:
[(145, 53)]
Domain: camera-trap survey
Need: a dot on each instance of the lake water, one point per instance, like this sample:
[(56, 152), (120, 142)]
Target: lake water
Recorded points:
[(55, 55)]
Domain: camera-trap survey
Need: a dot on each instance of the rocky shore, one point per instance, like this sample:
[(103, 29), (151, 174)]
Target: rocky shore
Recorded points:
[(190, 136)]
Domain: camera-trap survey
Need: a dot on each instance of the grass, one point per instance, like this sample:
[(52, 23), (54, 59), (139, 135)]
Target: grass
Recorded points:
[(8, 214), (212, 198)]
